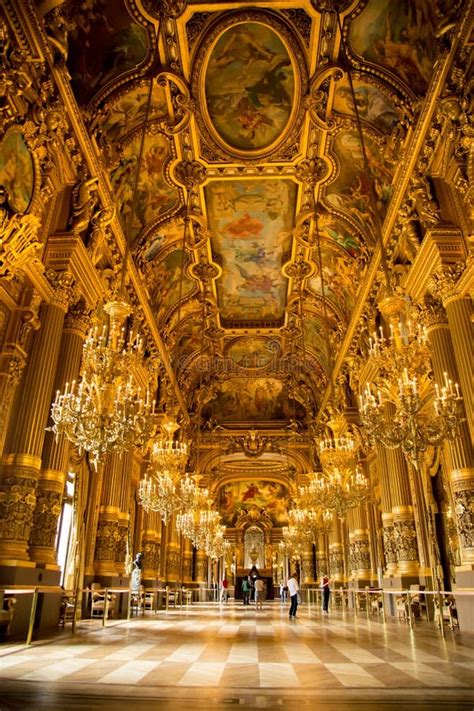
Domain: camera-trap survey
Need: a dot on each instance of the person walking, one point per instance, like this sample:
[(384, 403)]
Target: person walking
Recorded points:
[(282, 591), (224, 586), (246, 591), (326, 593), (259, 593), (293, 589)]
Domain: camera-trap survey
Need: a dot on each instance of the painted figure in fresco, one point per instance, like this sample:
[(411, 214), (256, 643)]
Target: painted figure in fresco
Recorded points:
[(244, 47), (371, 106), (402, 55)]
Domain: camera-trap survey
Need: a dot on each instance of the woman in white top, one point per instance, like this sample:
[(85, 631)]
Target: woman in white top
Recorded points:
[(293, 588)]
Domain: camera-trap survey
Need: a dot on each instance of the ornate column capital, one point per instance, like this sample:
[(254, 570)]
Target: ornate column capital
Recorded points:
[(78, 320), (434, 315), (445, 285), (65, 290)]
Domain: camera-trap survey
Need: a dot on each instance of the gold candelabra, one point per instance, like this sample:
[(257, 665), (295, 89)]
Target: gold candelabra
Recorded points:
[(107, 409), (411, 428)]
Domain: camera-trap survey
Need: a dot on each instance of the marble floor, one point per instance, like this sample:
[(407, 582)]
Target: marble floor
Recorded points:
[(211, 656)]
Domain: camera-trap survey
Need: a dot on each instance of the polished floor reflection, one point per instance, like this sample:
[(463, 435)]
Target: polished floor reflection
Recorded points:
[(224, 655)]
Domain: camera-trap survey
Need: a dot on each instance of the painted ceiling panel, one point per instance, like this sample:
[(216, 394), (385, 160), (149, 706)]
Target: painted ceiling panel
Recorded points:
[(349, 192), (104, 42), (399, 35), (249, 86), (155, 195), (252, 222)]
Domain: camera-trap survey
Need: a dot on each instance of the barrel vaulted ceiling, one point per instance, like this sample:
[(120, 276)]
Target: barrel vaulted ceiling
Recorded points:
[(251, 183)]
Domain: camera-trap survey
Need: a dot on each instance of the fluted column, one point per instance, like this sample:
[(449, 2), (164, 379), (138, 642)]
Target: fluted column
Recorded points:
[(458, 452), (55, 454), (23, 464)]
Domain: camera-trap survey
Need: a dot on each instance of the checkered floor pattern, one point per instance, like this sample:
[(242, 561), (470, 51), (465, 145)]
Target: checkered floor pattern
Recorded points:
[(237, 647)]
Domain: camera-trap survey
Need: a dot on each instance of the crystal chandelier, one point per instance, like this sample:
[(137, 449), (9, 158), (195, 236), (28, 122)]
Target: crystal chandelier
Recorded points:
[(160, 489), (168, 454), (217, 546), (194, 500), (107, 410), (336, 491)]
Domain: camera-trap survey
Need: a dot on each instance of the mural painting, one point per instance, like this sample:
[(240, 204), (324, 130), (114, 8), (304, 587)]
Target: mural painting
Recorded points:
[(350, 191), (372, 104), (129, 110), (399, 35), (238, 496), (103, 43), (259, 399), (252, 222), (254, 352), (16, 171), (165, 234), (163, 282), (315, 341), (341, 276), (250, 86), (154, 195)]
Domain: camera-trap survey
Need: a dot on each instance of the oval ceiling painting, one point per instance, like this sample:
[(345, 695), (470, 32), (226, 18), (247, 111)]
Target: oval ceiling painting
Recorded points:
[(250, 87)]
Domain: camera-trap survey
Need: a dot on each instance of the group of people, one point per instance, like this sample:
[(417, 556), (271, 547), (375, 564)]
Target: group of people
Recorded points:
[(293, 591), (257, 584)]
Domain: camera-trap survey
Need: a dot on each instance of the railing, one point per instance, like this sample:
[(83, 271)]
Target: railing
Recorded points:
[(406, 605), (437, 606)]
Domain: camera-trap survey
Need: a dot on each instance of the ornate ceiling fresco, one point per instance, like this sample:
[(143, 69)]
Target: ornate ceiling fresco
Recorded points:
[(251, 220)]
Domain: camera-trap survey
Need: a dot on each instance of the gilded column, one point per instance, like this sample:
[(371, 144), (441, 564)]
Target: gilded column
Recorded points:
[(389, 550), (151, 545), (307, 565), (458, 308), (359, 547), (201, 568), (336, 552), (407, 506), (55, 456), (123, 522), (22, 466), (172, 552), (458, 452), (108, 535), (322, 565), (187, 561)]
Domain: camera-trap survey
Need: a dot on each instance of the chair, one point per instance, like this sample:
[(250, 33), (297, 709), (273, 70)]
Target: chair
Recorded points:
[(98, 601), (147, 599), (449, 612), (401, 607), (66, 613), (6, 614), (376, 604)]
